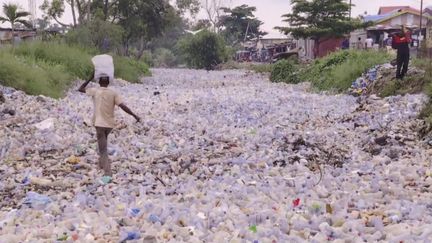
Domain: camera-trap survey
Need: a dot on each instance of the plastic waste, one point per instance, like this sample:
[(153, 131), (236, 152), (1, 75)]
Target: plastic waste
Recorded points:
[(36, 200), (130, 236), (134, 212), (209, 161), (154, 218), (106, 179), (45, 124)]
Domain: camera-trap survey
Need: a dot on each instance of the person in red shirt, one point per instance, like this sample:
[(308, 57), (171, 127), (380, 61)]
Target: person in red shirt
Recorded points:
[(401, 42)]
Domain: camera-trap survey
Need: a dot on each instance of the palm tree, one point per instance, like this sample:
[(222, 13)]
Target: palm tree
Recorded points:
[(13, 16)]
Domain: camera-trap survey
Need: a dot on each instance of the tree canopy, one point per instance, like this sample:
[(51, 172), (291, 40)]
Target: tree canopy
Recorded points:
[(240, 24), (317, 19), (13, 15)]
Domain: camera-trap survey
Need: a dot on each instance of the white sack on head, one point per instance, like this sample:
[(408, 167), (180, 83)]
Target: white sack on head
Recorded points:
[(104, 67)]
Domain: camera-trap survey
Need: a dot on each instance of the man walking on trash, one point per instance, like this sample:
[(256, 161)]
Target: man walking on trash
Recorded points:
[(401, 42), (104, 100)]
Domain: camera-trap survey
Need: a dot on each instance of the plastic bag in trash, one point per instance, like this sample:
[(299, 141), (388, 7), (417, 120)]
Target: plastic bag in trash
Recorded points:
[(36, 200), (45, 124)]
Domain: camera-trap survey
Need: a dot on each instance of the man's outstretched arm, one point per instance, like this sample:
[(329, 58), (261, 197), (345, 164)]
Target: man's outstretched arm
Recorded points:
[(127, 110), (82, 89)]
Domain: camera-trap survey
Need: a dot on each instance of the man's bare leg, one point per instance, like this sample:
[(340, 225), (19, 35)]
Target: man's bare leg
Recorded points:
[(102, 137)]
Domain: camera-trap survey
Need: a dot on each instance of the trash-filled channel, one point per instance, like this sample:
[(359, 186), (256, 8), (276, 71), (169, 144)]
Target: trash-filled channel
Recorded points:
[(221, 156)]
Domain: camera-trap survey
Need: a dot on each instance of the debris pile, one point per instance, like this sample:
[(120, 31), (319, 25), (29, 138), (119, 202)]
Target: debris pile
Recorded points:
[(219, 157), (373, 81), (362, 84)]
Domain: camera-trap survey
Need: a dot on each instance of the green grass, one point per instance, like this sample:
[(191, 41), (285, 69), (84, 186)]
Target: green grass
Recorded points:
[(49, 68), (75, 60), (338, 70), (256, 67), (129, 69), (422, 63), (285, 71), (33, 77), (262, 68)]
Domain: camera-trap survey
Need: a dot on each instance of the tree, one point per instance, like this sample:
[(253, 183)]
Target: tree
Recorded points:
[(98, 33), (13, 16), (54, 10), (143, 20), (188, 6), (202, 24), (213, 9), (319, 19), (239, 24), (81, 10), (203, 50)]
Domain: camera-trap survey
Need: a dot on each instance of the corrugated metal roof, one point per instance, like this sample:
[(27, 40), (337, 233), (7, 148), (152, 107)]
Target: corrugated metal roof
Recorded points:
[(375, 18), (380, 18)]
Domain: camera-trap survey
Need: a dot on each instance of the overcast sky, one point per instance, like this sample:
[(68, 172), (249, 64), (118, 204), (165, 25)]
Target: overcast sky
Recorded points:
[(270, 11)]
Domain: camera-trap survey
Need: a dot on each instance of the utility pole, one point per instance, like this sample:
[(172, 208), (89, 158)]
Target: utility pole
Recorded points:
[(350, 3), (421, 24)]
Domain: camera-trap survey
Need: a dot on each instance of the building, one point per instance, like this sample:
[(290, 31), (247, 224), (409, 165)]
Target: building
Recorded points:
[(20, 35), (309, 49), (263, 49), (428, 11), (389, 9), (390, 19)]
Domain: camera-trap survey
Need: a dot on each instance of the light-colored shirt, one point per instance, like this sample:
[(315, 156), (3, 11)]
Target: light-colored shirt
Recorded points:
[(104, 101)]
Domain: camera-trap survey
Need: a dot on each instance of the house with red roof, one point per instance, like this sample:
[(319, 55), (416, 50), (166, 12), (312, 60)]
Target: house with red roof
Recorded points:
[(393, 17), (389, 9), (389, 20), (428, 11)]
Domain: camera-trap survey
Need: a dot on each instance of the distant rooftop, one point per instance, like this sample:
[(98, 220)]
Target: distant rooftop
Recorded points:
[(19, 29), (374, 18), (388, 9)]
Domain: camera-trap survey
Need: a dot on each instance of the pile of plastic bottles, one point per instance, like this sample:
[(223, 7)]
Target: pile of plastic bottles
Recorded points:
[(221, 156), (361, 84)]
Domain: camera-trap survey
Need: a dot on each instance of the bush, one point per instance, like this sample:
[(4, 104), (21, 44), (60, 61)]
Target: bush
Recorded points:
[(147, 57), (204, 50), (164, 58), (99, 34), (284, 71), (130, 69)]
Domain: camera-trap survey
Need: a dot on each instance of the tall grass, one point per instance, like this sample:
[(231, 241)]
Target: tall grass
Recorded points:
[(338, 70), (256, 67), (130, 69), (49, 68), (31, 76), (75, 60)]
